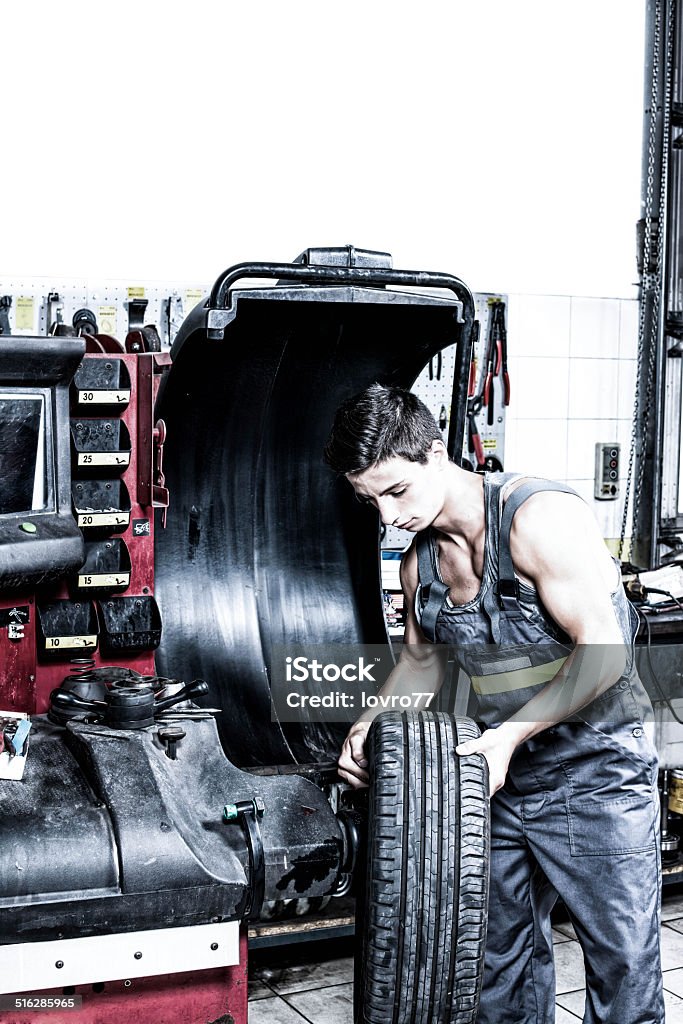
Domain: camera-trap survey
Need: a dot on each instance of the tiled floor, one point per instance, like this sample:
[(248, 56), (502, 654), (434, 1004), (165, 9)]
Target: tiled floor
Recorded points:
[(322, 993)]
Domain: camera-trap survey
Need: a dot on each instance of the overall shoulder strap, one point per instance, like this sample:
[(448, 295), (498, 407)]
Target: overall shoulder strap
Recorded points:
[(508, 587), (431, 591)]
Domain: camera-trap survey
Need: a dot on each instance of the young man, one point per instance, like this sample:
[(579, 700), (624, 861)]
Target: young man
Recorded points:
[(513, 574)]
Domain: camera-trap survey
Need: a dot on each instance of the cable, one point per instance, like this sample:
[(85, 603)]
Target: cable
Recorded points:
[(639, 590), (666, 593)]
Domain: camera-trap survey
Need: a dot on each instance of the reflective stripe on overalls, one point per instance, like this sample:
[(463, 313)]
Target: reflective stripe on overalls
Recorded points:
[(579, 811)]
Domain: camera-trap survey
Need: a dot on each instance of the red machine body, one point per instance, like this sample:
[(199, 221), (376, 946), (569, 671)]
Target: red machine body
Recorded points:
[(35, 661), (206, 997), (31, 670)]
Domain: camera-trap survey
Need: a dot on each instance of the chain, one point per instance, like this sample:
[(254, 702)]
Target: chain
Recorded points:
[(652, 281)]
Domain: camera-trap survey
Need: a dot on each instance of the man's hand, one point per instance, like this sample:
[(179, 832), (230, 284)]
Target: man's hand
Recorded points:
[(497, 746), (352, 760)]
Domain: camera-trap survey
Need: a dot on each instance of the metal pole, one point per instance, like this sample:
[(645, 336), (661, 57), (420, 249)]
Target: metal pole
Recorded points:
[(645, 456)]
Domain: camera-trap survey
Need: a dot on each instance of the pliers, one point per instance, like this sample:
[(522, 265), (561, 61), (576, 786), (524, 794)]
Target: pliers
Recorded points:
[(473, 439), (472, 380), (439, 366), (496, 357), (502, 329)]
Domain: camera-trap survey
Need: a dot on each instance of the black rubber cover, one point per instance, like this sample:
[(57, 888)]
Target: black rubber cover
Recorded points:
[(421, 918), (264, 546)]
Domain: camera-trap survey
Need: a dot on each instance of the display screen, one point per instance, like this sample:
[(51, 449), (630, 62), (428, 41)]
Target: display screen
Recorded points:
[(23, 476)]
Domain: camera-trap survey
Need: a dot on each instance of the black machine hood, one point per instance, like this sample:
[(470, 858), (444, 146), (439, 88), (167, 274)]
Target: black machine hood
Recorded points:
[(264, 545)]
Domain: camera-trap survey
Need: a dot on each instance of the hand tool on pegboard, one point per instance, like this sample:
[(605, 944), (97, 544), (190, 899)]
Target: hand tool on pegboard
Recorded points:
[(472, 381), (496, 357), (5, 306), (53, 311), (174, 316), (141, 337), (502, 329), (84, 321), (474, 444), (136, 314), (436, 373)]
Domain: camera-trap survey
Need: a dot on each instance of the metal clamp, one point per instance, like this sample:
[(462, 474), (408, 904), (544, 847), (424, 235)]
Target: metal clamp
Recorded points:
[(248, 813)]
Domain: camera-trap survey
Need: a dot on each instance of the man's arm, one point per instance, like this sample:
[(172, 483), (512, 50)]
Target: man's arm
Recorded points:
[(420, 668), (556, 544)]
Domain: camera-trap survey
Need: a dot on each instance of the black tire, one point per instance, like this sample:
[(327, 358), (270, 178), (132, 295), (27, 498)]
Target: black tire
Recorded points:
[(421, 914)]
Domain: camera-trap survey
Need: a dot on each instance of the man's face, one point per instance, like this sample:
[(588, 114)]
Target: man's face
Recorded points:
[(406, 494)]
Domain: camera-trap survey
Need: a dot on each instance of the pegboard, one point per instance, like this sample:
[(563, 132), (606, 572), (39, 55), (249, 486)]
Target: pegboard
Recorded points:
[(39, 301)]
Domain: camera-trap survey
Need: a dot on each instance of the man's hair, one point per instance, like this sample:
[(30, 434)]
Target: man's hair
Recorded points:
[(377, 424)]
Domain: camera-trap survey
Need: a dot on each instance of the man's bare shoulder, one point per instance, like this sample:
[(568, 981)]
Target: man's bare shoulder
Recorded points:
[(556, 528), (511, 486), (546, 512)]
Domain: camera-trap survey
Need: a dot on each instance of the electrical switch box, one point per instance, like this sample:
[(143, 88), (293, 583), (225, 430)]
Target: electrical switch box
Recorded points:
[(607, 471)]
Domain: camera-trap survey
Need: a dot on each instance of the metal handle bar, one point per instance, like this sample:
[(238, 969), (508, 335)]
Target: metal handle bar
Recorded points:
[(197, 688), (70, 701), (369, 276)]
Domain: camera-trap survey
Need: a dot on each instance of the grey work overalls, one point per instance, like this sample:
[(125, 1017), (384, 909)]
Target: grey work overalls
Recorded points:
[(578, 814)]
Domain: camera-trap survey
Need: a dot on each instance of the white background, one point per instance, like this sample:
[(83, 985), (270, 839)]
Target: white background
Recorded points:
[(495, 140)]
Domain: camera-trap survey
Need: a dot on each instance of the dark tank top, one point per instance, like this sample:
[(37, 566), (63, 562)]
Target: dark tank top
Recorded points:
[(504, 639)]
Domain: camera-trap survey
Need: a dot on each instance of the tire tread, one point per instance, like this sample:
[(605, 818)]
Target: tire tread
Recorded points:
[(425, 904)]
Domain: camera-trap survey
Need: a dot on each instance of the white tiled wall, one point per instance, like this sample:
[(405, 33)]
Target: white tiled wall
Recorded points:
[(572, 371)]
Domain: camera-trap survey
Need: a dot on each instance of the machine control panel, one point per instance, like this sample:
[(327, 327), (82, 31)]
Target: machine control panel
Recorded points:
[(607, 470)]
